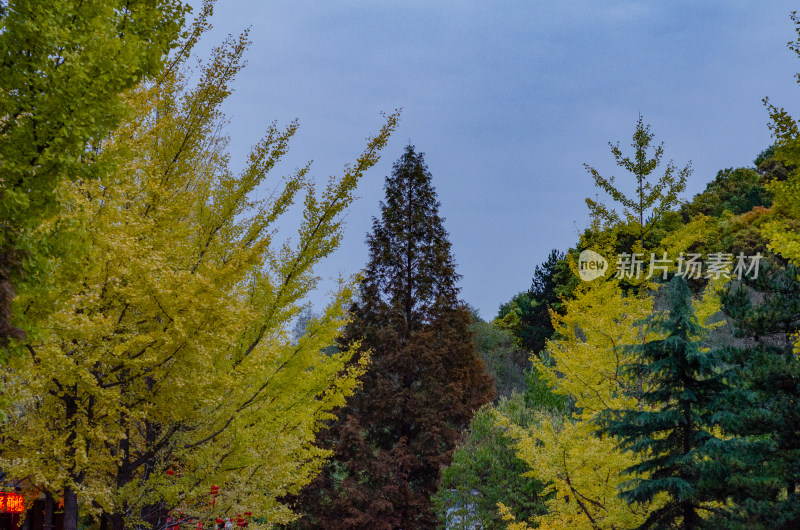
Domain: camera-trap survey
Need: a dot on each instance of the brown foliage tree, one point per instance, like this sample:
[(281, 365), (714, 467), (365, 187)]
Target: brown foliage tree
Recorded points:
[(426, 378)]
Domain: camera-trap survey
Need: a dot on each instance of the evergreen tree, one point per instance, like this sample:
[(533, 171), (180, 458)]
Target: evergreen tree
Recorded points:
[(486, 470), (425, 381), (759, 463), (673, 429), (527, 315), (651, 200)]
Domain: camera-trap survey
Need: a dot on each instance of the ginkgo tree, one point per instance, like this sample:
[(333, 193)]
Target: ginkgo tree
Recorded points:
[(65, 63), (585, 361), (652, 199), (166, 363)]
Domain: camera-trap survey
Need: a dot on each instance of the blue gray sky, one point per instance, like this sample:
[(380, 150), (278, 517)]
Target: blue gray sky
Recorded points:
[(507, 100)]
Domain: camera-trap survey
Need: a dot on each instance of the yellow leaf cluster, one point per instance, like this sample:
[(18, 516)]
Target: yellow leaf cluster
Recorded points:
[(585, 362), (165, 342)]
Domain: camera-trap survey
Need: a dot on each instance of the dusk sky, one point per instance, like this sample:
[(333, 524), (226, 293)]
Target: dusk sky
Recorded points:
[(507, 100)]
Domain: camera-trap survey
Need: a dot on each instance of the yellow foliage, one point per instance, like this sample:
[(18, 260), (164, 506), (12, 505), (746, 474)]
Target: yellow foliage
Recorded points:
[(695, 232), (506, 515), (584, 472), (168, 345), (588, 351), (584, 362), (783, 230)]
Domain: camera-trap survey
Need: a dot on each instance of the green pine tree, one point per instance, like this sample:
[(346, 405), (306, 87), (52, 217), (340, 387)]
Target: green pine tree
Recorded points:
[(673, 430), (527, 315), (757, 466), (652, 199)]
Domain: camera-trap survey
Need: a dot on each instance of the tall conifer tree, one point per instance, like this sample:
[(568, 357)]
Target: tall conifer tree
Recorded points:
[(758, 464), (674, 430), (426, 378), (653, 197)]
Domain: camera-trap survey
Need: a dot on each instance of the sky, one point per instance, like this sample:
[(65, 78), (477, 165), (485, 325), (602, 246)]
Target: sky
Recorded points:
[(507, 100)]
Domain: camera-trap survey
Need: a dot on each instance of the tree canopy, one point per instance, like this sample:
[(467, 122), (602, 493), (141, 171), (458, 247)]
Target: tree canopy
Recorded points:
[(165, 364), (426, 379)]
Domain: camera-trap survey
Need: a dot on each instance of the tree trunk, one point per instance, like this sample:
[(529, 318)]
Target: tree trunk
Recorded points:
[(70, 509), (70, 495), (117, 521), (47, 521)]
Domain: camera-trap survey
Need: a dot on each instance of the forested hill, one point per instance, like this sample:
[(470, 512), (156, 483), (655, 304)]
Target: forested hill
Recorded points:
[(576, 419)]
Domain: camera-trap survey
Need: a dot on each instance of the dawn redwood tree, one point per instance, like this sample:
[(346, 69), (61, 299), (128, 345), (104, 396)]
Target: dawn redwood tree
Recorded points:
[(426, 378)]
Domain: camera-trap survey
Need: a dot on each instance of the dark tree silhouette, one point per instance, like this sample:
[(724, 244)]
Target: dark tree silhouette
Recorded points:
[(674, 433), (757, 466), (425, 381)]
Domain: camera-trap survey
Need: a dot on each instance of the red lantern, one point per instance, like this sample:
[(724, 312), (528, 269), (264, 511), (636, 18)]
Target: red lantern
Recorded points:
[(220, 521), (170, 472), (248, 514)]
